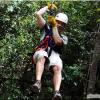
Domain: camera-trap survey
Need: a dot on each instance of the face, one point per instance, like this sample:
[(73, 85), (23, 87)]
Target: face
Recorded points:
[(60, 26)]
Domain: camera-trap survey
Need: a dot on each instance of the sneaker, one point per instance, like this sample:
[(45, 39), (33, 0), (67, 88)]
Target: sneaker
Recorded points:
[(57, 96), (36, 88)]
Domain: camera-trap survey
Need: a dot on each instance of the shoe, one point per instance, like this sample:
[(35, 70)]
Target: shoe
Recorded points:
[(36, 88), (57, 96)]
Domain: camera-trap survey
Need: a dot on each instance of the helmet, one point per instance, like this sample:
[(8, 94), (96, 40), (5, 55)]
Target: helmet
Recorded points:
[(62, 17)]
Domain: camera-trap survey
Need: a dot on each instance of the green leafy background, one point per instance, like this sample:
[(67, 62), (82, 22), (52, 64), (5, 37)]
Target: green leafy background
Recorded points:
[(19, 35)]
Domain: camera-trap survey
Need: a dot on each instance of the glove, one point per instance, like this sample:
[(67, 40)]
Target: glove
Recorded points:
[(52, 21), (51, 6)]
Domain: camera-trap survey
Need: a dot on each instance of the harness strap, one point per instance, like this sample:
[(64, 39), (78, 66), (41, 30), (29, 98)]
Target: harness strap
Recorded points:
[(49, 51), (43, 44)]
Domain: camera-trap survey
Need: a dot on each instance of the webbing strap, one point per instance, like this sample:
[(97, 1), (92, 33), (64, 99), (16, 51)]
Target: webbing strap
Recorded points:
[(43, 44), (49, 51)]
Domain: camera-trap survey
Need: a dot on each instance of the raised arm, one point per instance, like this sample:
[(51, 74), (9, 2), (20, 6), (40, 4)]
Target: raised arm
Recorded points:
[(40, 20)]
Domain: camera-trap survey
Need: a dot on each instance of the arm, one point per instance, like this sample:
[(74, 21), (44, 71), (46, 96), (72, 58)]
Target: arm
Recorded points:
[(56, 36), (40, 20)]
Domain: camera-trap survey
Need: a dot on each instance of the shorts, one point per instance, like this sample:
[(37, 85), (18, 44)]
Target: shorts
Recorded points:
[(54, 58)]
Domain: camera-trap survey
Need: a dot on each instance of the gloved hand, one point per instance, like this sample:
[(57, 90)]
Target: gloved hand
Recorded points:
[(51, 6), (52, 21)]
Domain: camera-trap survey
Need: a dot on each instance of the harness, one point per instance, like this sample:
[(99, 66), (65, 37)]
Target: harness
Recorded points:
[(43, 44), (48, 41)]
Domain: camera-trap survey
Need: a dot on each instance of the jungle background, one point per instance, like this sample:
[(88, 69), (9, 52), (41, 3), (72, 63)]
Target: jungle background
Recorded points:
[(19, 35)]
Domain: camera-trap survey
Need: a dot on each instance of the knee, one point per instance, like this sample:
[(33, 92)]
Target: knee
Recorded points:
[(57, 68)]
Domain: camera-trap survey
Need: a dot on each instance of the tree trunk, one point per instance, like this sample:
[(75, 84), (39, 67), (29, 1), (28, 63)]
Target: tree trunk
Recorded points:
[(94, 65)]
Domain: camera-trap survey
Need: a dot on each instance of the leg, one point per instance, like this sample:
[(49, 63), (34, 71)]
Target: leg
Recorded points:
[(36, 88), (57, 78), (40, 68), (56, 62), (57, 82), (39, 60)]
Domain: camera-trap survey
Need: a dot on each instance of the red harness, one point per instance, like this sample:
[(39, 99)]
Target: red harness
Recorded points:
[(43, 44)]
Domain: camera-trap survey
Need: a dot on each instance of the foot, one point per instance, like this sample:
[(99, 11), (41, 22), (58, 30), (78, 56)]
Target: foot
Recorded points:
[(57, 96), (36, 87)]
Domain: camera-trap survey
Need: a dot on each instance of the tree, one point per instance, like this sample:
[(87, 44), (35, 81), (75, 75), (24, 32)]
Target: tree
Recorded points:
[(96, 55), (94, 64)]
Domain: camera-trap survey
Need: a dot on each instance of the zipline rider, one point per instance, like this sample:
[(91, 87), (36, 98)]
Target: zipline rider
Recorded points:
[(49, 49)]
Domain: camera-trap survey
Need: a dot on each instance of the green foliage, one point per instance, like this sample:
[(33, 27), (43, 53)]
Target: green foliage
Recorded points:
[(73, 72), (19, 36)]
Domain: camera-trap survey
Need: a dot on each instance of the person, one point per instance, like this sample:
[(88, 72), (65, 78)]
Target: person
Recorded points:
[(49, 50)]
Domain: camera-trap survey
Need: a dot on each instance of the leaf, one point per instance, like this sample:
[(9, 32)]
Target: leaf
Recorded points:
[(98, 20)]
